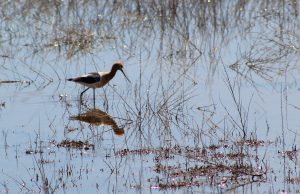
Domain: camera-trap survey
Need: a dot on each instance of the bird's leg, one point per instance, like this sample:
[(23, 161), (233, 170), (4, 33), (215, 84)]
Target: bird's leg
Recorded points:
[(94, 97), (82, 94)]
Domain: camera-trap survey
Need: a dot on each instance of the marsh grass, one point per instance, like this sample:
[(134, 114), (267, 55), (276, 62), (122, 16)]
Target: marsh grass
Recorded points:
[(181, 28), (74, 41)]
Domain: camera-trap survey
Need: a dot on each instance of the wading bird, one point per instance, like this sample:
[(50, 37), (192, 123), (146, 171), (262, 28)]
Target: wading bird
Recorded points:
[(98, 79)]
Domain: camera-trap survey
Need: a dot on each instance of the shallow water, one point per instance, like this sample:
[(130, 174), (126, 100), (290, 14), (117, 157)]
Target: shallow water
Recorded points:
[(212, 105)]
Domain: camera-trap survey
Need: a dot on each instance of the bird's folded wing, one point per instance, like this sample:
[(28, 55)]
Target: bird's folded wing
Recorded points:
[(89, 78)]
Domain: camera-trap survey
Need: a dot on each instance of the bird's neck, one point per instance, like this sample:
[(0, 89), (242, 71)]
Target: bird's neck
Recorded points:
[(113, 71)]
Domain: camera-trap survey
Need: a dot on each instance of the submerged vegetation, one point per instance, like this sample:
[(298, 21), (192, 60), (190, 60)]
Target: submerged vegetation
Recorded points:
[(212, 106)]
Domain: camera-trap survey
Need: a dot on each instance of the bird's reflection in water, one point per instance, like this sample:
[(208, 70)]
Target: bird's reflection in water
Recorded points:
[(99, 118)]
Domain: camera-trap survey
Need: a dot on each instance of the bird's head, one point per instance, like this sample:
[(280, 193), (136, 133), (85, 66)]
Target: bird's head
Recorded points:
[(118, 65)]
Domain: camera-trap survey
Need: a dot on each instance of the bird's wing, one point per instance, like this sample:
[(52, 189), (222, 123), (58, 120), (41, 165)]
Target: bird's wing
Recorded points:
[(93, 74), (101, 73), (89, 78)]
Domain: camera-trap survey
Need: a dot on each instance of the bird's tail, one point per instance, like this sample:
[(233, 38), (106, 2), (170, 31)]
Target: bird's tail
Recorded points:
[(70, 79)]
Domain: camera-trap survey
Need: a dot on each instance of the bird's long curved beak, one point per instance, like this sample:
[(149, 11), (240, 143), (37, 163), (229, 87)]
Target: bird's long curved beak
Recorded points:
[(125, 75)]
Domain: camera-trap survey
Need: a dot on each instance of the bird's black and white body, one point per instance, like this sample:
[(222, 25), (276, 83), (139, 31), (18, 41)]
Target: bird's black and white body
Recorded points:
[(98, 79), (90, 80)]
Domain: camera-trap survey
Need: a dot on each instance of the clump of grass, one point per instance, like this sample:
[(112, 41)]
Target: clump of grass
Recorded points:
[(74, 41)]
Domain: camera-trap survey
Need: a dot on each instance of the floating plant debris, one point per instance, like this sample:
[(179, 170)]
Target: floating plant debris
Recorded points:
[(76, 144), (251, 142), (189, 152), (294, 180), (179, 184), (221, 167), (291, 154), (14, 81), (30, 151), (163, 152)]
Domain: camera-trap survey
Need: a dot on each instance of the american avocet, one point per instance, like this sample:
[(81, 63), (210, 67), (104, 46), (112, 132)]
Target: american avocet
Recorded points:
[(98, 79), (99, 118)]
